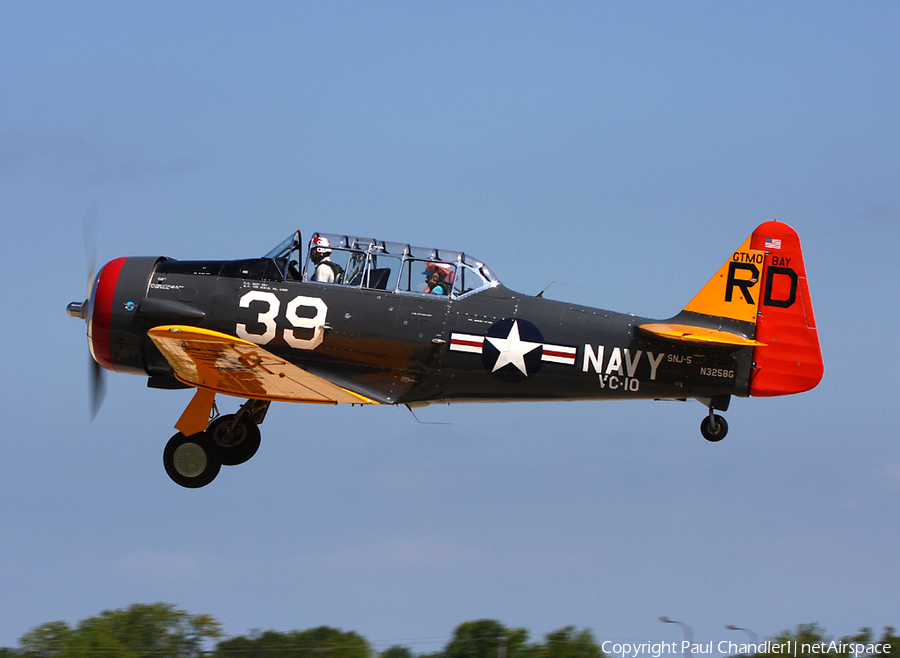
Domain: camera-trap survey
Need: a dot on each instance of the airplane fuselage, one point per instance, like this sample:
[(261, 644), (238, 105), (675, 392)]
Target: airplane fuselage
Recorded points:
[(495, 345)]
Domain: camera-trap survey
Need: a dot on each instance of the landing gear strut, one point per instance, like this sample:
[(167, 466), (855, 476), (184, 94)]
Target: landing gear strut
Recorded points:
[(237, 435), (714, 427), (194, 461)]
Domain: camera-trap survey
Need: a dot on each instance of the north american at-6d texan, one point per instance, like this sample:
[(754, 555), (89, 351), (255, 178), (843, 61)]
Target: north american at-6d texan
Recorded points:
[(362, 321)]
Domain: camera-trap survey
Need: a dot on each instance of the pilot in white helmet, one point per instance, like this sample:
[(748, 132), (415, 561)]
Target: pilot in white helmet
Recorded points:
[(326, 271)]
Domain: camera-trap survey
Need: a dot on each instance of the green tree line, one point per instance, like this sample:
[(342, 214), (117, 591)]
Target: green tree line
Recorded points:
[(162, 630), (810, 641)]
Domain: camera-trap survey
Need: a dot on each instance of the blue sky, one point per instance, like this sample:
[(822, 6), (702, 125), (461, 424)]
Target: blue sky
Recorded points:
[(623, 149)]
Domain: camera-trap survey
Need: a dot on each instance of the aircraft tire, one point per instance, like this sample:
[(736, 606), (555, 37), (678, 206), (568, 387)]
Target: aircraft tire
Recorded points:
[(238, 446), (720, 432), (192, 461)]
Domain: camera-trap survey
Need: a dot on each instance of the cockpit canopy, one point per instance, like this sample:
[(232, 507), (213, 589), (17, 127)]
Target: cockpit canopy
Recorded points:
[(344, 260)]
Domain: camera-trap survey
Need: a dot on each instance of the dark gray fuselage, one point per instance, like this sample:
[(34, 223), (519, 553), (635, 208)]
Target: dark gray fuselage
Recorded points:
[(405, 348)]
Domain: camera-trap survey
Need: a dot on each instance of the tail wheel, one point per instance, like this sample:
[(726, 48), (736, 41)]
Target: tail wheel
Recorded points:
[(192, 461), (713, 428), (237, 441)]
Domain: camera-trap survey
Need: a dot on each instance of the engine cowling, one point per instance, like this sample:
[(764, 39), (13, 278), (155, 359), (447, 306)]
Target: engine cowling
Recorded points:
[(115, 326)]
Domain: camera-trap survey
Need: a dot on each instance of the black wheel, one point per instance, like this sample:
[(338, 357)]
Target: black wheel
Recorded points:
[(237, 445), (192, 461), (712, 432)]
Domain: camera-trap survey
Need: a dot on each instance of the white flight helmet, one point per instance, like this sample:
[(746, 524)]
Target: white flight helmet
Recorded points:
[(320, 248)]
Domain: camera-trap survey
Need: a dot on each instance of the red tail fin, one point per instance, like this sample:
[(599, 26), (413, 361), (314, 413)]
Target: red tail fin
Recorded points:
[(790, 360)]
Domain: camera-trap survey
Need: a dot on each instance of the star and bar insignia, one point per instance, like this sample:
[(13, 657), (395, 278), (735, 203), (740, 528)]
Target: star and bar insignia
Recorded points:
[(513, 349)]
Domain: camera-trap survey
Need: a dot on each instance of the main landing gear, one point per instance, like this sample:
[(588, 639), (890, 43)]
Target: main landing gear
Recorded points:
[(714, 427), (194, 461)]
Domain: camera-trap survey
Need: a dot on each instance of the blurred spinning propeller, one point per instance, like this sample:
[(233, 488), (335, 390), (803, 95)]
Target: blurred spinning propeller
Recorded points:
[(96, 377)]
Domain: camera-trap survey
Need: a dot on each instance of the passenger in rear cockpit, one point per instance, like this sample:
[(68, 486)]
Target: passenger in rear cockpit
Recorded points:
[(438, 278)]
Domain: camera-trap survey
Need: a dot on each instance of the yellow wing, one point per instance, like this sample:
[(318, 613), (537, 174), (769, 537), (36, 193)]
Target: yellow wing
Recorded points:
[(225, 364)]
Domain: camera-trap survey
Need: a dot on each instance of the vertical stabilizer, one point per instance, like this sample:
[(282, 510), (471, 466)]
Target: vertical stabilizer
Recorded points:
[(733, 292)]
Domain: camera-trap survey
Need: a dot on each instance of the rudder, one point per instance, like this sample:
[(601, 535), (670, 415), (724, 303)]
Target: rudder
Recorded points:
[(790, 361)]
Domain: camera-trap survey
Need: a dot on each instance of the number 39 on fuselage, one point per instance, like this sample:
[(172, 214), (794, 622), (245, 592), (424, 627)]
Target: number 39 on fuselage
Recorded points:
[(362, 321)]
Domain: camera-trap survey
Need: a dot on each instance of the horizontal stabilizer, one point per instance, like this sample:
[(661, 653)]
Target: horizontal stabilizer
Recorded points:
[(225, 364), (683, 333)]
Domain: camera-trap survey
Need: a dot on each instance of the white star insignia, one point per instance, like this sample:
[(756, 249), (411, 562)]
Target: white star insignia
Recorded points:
[(512, 349)]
